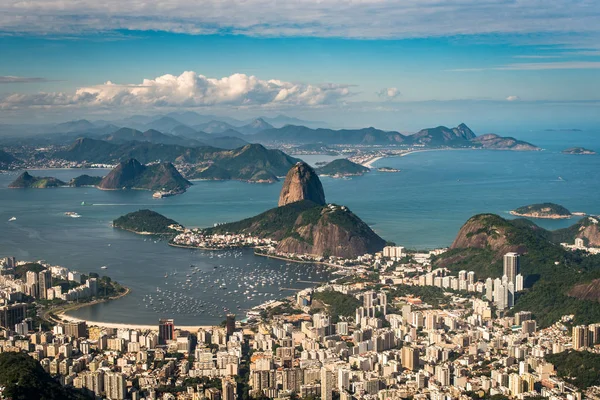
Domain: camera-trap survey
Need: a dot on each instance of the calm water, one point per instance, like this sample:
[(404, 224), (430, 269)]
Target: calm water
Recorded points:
[(421, 207)]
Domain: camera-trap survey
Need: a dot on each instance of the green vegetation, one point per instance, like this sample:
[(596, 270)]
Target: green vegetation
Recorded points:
[(431, 295), (580, 368), (549, 270), (145, 221), (28, 181), (131, 174), (23, 378), (338, 304), (85, 180), (21, 270), (342, 166), (543, 210)]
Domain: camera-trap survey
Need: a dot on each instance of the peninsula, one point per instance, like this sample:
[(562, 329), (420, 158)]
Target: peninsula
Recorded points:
[(543, 210)]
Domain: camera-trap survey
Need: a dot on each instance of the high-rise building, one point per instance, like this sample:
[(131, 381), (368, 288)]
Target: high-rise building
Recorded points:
[(519, 283), (580, 337), (12, 314), (410, 358), (166, 330), (115, 386), (45, 283), (326, 384), (76, 329), (229, 389), (230, 324), (32, 284), (511, 266)]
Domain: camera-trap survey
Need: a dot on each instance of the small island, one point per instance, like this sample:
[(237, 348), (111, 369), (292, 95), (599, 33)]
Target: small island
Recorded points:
[(342, 167), (147, 222), (542, 210), (387, 169), (25, 180), (85, 181), (578, 150)]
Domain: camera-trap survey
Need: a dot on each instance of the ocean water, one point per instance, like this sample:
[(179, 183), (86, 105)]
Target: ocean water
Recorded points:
[(421, 207)]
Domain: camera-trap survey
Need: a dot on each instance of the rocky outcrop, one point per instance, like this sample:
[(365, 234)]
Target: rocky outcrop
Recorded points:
[(586, 291), (486, 231), (301, 183), (131, 174), (589, 231), (335, 231)]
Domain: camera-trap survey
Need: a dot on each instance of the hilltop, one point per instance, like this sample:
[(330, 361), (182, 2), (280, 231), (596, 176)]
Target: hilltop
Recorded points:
[(301, 183), (552, 274), (131, 174), (342, 167), (542, 210), (85, 180), (25, 180), (304, 224), (147, 222)]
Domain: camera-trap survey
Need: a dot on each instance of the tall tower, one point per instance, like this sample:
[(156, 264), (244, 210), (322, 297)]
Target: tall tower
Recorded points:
[(166, 330), (511, 266), (230, 324), (326, 384)]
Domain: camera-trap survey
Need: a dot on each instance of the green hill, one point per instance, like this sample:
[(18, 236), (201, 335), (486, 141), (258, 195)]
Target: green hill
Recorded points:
[(542, 210), (304, 227), (342, 167), (85, 180), (147, 222), (23, 378), (25, 180), (550, 271)]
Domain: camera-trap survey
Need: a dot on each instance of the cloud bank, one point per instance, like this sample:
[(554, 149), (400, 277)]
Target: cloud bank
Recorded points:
[(20, 79), (331, 18), (189, 89), (513, 98)]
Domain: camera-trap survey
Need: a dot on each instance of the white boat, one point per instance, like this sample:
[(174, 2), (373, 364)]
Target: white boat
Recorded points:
[(103, 267), (12, 219), (72, 214)]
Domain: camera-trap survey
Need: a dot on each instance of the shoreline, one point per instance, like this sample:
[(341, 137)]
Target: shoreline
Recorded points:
[(540, 217), (72, 307), (296, 261)]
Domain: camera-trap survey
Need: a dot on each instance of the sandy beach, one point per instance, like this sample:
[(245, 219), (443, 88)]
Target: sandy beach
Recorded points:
[(369, 163), (117, 325)]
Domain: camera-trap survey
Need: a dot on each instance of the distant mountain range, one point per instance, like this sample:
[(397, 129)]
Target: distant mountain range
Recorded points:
[(252, 162), (441, 136)]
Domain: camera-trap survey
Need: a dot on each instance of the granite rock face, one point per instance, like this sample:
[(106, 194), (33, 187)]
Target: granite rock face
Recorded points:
[(301, 183)]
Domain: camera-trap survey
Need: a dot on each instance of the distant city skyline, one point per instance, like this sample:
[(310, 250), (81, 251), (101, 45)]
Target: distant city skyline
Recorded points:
[(393, 65)]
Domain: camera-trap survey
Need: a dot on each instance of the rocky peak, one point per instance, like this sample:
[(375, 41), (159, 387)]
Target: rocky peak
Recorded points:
[(301, 183), (463, 131)]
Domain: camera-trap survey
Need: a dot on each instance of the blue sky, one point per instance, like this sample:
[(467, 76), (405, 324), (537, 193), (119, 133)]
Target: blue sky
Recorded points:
[(390, 64)]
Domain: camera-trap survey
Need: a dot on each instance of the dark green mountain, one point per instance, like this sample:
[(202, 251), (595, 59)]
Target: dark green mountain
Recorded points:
[(85, 180), (343, 167), (550, 271), (23, 378), (153, 136), (131, 174), (146, 221), (25, 180), (7, 160)]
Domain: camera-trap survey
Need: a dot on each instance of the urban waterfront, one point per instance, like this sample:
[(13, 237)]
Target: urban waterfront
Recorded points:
[(423, 206)]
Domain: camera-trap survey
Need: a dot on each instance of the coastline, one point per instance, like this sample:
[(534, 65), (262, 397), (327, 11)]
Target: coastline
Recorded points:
[(296, 261), (61, 311), (540, 216)]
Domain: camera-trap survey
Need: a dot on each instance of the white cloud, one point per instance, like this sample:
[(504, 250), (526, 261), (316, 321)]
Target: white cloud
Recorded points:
[(187, 90), (330, 18), (389, 93), (513, 98)]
